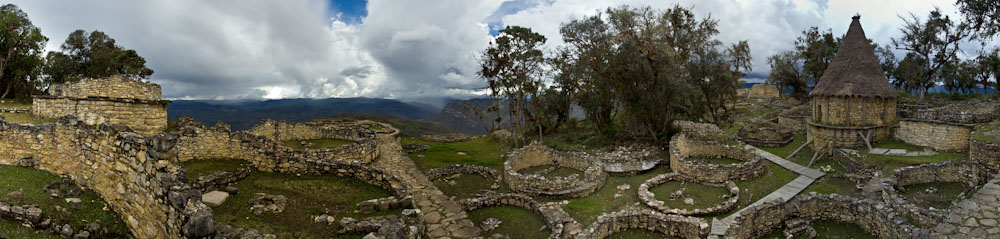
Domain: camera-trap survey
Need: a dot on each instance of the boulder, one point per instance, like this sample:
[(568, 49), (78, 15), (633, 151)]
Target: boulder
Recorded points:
[(214, 198), (199, 224)]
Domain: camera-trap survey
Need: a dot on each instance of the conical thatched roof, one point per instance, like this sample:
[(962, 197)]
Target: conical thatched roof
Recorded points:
[(855, 71)]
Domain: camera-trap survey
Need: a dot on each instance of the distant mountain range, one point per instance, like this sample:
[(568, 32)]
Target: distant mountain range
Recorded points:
[(242, 115)]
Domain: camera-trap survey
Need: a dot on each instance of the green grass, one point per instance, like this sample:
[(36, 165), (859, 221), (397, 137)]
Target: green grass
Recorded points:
[(479, 151), (890, 163), (16, 105), (558, 172), (198, 168), (637, 234), (11, 229), (738, 122), (755, 189), (586, 209), (715, 161), (308, 195), (516, 222), (827, 184), (31, 183), (895, 144), (465, 185), (946, 193), (826, 229), (981, 130), (317, 143), (704, 196), (25, 118)]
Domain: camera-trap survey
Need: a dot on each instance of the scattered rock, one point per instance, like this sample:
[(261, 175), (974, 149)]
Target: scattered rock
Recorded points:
[(66, 231), (931, 190), (263, 203), (94, 227), (82, 235), (689, 201), (461, 153), (33, 214), (73, 200), (232, 190), (63, 188), (199, 225), (14, 196), (677, 194), (826, 168), (324, 219), (491, 224), (214, 198), (624, 187)]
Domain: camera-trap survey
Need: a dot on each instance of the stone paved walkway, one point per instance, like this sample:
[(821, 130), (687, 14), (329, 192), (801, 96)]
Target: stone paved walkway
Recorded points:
[(976, 217), (785, 193), (444, 218)]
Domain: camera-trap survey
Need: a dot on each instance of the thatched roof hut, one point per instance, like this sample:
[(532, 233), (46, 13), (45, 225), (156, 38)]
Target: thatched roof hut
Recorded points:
[(855, 71)]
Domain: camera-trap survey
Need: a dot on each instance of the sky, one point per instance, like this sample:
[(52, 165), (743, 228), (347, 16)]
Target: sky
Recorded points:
[(400, 49)]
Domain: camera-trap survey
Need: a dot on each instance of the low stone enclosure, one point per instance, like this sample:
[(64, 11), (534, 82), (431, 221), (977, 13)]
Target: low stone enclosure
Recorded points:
[(650, 200), (446, 138), (985, 153), (197, 141), (641, 218), (630, 160), (938, 135), (560, 224), (482, 171), (971, 173), (114, 100), (765, 134), (141, 179), (537, 154), (683, 150), (874, 217)]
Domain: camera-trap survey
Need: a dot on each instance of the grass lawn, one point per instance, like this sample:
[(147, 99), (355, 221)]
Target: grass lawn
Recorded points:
[(317, 143), (715, 161), (586, 209), (946, 193), (826, 229), (478, 151), (558, 172), (827, 184), (15, 105), (12, 229), (465, 185), (516, 222), (637, 234), (308, 196), (25, 118), (755, 189), (981, 130), (704, 196), (890, 163), (31, 183), (198, 168)]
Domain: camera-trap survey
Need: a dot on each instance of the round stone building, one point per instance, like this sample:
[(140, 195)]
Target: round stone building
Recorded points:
[(853, 101)]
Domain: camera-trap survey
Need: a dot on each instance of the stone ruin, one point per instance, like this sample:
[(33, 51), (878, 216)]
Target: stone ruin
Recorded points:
[(765, 134), (114, 100), (682, 149), (537, 154), (727, 204), (482, 171)]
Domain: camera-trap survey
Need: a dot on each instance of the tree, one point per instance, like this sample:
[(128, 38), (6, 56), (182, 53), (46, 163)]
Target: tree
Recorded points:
[(886, 59), (584, 66), (911, 73), (787, 73), (934, 42), (512, 66), (989, 67), (21, 44), (93, 55), (982, 17), (817, 50), (959, 76)]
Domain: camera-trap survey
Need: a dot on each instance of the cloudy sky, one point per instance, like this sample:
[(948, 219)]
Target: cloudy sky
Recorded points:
[(402, 49)]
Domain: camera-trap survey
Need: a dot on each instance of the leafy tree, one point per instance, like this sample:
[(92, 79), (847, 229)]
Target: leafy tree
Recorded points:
[(989, 67), (512, 66), (787, 73), (982, 17), (93, 55), (585, 67), (21, 44), (934, 42), (910, 73), (959, 76), (886, 59), (817, 50)]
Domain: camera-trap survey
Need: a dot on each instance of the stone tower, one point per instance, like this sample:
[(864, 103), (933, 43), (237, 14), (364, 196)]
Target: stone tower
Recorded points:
[(853, 101)]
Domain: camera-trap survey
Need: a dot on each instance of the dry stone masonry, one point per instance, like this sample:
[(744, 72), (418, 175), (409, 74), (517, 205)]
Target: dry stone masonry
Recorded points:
[(641, 218), (560, 224), (765, 134), (537, 154), (682, 149), (648, 198), (482, 171), (114, 100)]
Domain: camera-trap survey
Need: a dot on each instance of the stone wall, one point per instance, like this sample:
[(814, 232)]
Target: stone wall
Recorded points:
[(965, 113), (872, 216), (636, 218), (934, 134), (964, 172), (825, 138), (127, 170), (321, 129), (764, 91), (112, 87), (537, 154), (560, 223), (985, 153), (850, 164), (765, 134), (446, 138), (482, 171), (198, 141), (681, 149), (853, 111), (146, 117), (648, 198)]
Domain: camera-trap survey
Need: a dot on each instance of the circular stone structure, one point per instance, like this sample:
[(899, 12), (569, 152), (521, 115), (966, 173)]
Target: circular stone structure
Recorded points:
[(482, 171), (537, 154), (650, 200), (765, 134), (560, 223), (641, 218), (682, 149)]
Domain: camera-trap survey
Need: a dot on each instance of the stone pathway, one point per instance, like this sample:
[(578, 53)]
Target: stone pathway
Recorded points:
[(443, 217), (976, 217), (785, 193)]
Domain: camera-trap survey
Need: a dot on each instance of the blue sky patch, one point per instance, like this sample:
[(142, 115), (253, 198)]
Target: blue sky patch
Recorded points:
[(351, 11)]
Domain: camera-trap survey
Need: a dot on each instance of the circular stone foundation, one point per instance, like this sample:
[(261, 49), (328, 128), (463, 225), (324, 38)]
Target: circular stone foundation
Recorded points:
[(765, 134), (640, 218), (683, 149), (650, 200), (537, 154), (485, 172)]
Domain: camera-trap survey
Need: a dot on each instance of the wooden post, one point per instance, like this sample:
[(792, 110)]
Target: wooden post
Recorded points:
[(816, 156), (799, 149), (865, 138)]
